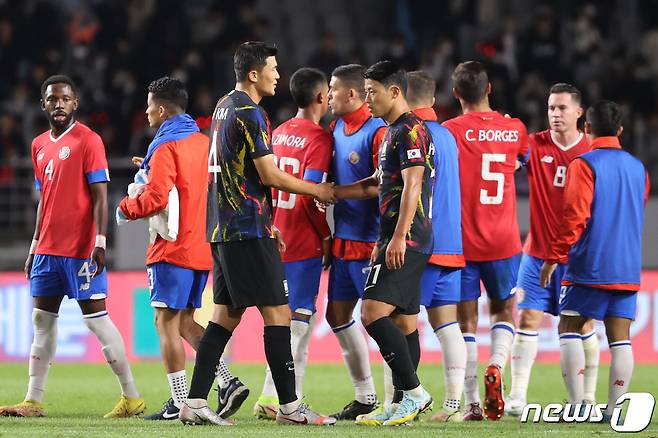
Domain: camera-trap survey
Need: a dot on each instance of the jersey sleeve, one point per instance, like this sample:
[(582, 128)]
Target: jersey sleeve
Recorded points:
[(256, 129), (411, 145), (155, 197), (95, 163), (578, 196), (376, 143), (318, 159), (37, 179)]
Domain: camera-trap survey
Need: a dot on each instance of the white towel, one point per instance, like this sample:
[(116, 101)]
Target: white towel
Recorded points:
[(163, 223)]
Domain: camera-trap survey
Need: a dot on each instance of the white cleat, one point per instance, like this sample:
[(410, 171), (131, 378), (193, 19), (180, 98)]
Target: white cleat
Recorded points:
[(514, 406), (202, 414)]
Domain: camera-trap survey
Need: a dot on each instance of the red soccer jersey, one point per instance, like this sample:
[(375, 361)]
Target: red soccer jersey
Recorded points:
[(303, 149), (489, 145), (63, 169), (547, 174)]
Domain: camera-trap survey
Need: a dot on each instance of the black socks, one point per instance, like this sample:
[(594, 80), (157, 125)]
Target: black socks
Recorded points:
[(279, 358), (211, 347)]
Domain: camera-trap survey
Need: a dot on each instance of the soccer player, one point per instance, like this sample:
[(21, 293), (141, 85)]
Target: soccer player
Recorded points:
[(67, 255), (391, 300), (440, 291), (303, 149), (357, 136), (178, 270), (601, 236), (247, 267), (489, 145), (551, 151)]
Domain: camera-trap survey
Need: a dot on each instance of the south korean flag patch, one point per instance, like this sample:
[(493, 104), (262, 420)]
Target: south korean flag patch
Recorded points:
[(413, 154)]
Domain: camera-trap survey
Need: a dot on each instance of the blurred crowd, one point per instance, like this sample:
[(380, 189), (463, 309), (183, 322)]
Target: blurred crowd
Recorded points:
[(113, 49)]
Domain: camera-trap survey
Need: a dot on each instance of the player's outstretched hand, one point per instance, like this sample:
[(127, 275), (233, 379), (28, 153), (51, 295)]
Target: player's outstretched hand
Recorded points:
[(279, 240), (395, 253), (324, 192), (98, 259), (546, 273), (322, 206), (28, 265), (137, 161)]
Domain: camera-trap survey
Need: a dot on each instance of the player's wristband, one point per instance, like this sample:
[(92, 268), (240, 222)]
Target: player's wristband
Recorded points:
[(33, 246), (100, 241)]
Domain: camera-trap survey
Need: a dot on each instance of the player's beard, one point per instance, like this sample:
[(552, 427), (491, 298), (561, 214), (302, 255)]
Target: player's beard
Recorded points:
[(60, 123)]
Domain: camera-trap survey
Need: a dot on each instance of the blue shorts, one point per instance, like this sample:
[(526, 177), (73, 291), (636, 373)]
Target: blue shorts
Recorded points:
[(173, 287), (347, 279), (303, 278), (440, 286), (53, 276), (533, 296), (597, 303), (498, 276)]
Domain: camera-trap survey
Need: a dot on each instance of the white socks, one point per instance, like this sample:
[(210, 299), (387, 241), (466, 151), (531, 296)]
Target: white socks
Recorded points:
[(471, 382), (621, 371), (223, 374), (113, 350), (502, 336), (453, 348), (178, 386), (355, 353), (300, 334), (572, 363), (389, 390), (591, 347), (524, 352), (41, 352)]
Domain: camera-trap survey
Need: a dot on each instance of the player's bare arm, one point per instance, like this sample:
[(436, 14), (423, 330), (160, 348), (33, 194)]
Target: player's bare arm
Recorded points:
[(35, 238), (413, 182), (99, 199), (365, 188), (272, 176)]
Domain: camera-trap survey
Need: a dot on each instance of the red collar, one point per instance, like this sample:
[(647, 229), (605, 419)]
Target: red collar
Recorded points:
[(606, 142), (426, 114), (354, 120)]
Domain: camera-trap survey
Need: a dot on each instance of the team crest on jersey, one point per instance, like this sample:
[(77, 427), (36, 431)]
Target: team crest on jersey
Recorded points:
[(64, 153), (546, 159), (354, 157), (40, 156)]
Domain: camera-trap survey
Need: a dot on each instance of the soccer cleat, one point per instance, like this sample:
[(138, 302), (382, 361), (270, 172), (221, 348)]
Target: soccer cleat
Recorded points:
[(353, 409), (378, 416), (304, 415), (473, 413), (514, 406), (266, 407), (231, 398), (409, 408), (27, 408), (444, 416), (494, 406), (192, 416), (127, 407), (169, 412)]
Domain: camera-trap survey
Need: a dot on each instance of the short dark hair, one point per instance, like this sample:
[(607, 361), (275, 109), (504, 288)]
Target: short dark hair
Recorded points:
[(420, 88), (562, 87), (169, 90), (251, 55), (303, 85), (58, 79), (388, 73), (352, 75), (604, 118), (470, 79)]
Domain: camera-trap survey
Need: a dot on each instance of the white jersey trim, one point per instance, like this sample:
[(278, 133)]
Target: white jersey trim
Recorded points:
[(569, 146), (55, 140)]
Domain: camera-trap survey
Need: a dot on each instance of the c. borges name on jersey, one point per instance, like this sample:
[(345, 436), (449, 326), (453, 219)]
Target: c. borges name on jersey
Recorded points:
[(508, 136), (289, 140)]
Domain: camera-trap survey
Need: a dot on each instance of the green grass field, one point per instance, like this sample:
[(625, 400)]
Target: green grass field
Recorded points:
[(78, 395)]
